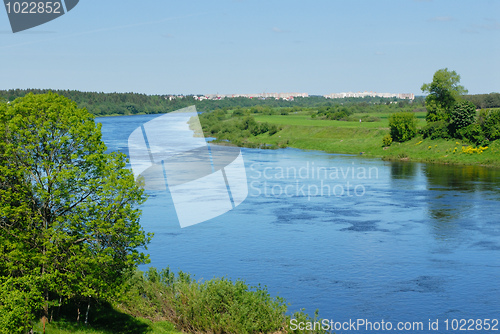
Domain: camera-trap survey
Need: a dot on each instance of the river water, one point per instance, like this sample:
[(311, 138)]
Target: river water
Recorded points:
[(356, 238)]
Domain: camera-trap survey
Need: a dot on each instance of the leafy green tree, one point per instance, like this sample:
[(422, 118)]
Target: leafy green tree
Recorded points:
[(67, 208), (444, 91), (403, 126)]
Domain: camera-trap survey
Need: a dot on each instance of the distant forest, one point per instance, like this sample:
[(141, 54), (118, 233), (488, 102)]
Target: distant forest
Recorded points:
[(103, 104)]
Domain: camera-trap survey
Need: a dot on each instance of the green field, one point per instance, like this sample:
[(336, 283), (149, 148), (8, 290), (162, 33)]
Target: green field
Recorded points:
[(304, 119), (299, 130)]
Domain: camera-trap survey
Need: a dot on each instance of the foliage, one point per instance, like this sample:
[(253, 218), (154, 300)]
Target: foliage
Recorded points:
[(235, 128), (336, 112), (435, 130), (215, 306), (387, 140), (491, 124), (462, 115), (300, 317), (482, 101), (67, 213), (444, 91), (473, 133), (403, 126), (19, 299)]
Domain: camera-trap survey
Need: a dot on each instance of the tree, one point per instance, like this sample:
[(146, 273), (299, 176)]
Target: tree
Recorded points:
[(444, 91), (403, 126), (68, 209)]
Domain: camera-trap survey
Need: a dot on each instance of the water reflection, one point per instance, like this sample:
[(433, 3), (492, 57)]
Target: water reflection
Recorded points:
[(454, 196), (462, 178), (403, 170)]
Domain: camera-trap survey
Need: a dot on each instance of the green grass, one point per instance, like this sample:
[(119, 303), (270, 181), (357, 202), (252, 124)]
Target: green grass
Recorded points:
[(105, 319), (304, 119), (149, 327), (443, 151), (301, 131)]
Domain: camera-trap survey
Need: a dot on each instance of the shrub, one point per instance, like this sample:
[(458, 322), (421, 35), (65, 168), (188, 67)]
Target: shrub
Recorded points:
[(491, 126), (215, 306), (273, 129), (436, 130), (20, 298), (462, 115), (263, 127), (215, 129), (372, 119), (403, 126), (472, 133), (387, 140)]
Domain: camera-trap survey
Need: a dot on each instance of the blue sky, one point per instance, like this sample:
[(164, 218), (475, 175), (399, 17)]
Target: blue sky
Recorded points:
[(242, 46)]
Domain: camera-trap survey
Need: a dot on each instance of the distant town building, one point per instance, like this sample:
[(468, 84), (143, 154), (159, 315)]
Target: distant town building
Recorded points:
[(292, 96), (277, 96), (408, 96)]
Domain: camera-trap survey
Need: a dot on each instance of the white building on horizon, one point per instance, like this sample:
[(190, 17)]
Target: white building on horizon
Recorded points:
[(409, 96)]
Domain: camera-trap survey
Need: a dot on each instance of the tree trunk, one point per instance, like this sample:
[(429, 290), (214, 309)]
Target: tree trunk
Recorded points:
[(87, 314), (59, 307)]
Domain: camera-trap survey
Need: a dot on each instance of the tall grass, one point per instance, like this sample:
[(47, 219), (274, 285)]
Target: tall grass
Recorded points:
[(214, 306)]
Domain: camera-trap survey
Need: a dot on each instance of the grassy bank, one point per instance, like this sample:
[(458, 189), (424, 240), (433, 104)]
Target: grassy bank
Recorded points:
[(161, 302), (300, 130), (121, 324)]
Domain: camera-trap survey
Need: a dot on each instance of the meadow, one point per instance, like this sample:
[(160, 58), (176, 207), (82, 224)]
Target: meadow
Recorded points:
[(301, 129)]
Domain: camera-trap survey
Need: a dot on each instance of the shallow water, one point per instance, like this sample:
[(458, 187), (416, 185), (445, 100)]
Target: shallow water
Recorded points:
[(350, 236)]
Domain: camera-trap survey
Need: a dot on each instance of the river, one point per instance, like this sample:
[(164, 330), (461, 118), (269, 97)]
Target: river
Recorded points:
[(356, 238)]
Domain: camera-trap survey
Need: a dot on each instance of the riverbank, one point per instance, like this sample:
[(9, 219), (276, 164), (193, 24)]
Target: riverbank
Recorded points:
[(162, 302), (299, 130)]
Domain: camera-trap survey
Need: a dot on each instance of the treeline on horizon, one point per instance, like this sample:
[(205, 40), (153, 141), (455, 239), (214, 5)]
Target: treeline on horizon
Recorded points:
[(105, 104)]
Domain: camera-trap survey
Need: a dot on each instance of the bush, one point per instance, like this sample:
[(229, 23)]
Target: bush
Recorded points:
[(436, 130), (491, 126), (273, 129), (462, 115), (387, 140), (220, 305), (472, 133), (215, 306), (20, 298), (403, 126)]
